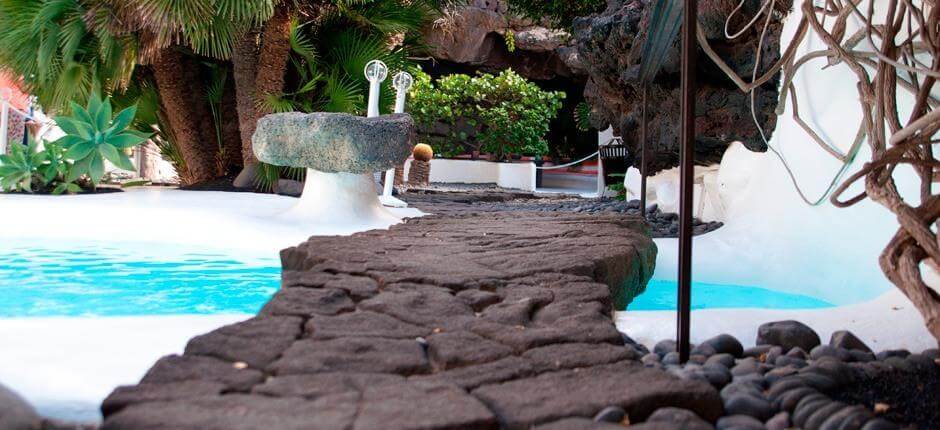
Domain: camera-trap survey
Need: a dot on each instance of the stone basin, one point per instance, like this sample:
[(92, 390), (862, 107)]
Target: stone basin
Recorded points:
[(334, 142), (340, 152)]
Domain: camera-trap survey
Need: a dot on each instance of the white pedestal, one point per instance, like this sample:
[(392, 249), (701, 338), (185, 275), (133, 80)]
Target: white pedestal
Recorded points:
[(340, 199)]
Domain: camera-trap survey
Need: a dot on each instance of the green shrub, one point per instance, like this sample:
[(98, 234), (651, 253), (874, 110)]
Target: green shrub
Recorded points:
[(502, 115)]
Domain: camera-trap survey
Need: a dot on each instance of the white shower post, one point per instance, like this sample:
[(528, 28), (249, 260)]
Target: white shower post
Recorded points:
[(376, 72), (401, 82)]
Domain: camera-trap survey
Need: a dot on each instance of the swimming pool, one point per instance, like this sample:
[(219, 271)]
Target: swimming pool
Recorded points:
[(90, 278), (96, 278), (661, 296)]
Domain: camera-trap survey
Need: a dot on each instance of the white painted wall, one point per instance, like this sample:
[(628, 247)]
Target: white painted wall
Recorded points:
[(507, 175), (663, 190)]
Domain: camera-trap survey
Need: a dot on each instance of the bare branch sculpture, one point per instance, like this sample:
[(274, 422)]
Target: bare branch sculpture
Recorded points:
[(902, 54)]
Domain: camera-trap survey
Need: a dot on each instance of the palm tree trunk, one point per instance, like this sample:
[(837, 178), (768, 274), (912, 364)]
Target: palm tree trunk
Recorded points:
[(244, 71), (185, 106), (231, 137), (273, 56)]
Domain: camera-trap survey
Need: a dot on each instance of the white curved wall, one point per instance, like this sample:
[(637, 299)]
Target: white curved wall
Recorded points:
[(774, 240)]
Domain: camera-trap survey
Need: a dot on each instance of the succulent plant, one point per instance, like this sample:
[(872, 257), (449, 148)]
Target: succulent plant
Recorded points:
[(19, 166), (93, 135)]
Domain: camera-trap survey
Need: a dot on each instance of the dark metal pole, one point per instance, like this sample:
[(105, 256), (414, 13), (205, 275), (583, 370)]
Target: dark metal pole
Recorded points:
[(643, 155), (686, 175)]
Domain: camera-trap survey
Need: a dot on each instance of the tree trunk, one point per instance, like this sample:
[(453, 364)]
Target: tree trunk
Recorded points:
[(231, 138), (244, 71), (184, 102), (273, 56)]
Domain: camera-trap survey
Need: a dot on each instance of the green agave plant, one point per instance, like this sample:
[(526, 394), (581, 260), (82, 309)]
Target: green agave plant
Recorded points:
[(18, 167), (93, 135), (27, 167)]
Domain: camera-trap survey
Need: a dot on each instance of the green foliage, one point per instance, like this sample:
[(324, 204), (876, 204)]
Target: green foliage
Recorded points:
[(559, 13), (64, 49), (502, 114), (93, 135), (510, 38), (582, 116), (215, 91), (618, 187), (27, 168)]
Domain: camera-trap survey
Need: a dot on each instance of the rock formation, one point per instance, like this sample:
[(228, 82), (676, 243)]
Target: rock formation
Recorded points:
[(609, 46), (479, 34)]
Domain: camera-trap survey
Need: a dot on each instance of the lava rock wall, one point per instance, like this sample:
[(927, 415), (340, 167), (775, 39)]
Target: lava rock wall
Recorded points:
[(610, 47)]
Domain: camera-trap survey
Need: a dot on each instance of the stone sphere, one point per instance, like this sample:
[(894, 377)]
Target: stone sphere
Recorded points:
[(423, 152)]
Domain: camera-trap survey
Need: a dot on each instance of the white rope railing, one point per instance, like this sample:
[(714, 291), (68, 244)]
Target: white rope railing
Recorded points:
[(561, 166)]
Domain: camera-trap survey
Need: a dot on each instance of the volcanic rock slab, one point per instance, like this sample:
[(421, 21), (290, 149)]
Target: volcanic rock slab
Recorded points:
[(466, 321), (334, 142)]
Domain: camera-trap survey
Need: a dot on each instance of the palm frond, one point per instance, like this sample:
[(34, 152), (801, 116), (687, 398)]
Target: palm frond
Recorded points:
[(300, 42), (342, 94)]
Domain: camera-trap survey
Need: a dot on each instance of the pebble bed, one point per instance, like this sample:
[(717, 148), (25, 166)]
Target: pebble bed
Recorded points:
[(459, 198), (792, 380)]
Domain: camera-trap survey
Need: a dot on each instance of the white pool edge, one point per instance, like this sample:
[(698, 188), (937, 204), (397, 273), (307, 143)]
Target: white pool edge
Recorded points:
[(889, 321)]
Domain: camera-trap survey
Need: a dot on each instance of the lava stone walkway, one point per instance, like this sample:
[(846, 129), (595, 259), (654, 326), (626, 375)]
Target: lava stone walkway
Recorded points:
[(460, 321)]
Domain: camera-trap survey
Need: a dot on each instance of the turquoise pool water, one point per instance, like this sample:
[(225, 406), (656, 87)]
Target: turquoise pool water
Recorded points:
[(121, 279), (125, 279), (661, 296)]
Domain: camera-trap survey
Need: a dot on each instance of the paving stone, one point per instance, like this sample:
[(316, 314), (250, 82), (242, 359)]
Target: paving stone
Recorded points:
[(177, 368), (321, 384), (352, 354), (431, 309), (305, 302), (471, 377), (357, 287), (584, 392), (573, 355), (238, 412), (494, 299), (256, 342), (421, 405), (448, 350), (362, 324), (479, 300), (132, 394)]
